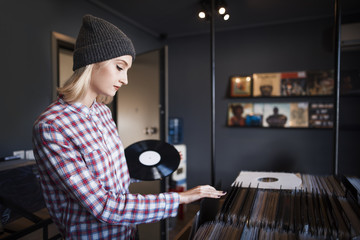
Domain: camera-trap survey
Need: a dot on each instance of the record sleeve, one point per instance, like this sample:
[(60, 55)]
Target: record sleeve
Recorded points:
[(151, 159), (293, 84), (321, 115), (266, 84), (276, 115), (237, 113), (299, 116), (320, 82)]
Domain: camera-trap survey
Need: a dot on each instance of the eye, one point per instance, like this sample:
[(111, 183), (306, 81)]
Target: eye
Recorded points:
[(119, 68)]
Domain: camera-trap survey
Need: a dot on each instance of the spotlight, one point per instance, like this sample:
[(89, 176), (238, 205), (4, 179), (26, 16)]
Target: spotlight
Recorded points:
[(222, 10), (205, 9), (202, 14), (221, 6)]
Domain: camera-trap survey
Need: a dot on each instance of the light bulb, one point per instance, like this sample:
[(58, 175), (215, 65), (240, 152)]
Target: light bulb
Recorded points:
[(226, 17), (202, 14), (222, 10)]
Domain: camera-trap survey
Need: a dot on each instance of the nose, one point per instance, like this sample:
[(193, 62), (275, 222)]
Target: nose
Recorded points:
[(124, 80)]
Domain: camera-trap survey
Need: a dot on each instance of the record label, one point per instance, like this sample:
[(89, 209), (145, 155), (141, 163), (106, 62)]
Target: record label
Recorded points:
[(151, 159)]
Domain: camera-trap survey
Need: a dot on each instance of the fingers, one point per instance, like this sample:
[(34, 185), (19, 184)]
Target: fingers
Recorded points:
[(199, 192), (211, 192)]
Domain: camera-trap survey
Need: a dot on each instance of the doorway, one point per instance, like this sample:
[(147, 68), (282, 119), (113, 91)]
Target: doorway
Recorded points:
[(141, 115), (140, 106)]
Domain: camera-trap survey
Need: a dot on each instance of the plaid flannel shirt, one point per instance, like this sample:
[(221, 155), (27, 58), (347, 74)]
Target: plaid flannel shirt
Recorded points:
[(84, 175)]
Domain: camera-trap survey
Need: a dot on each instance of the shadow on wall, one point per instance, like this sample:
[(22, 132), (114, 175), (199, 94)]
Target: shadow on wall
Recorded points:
[(281, 162)]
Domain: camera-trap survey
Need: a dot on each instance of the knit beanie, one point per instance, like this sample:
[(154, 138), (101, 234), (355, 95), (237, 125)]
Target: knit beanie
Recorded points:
[(98, 41)]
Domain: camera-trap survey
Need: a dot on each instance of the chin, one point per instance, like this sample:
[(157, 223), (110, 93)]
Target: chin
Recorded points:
[(111, 94)]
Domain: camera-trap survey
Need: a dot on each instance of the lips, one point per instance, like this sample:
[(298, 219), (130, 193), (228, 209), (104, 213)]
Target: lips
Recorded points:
[(116, 87)]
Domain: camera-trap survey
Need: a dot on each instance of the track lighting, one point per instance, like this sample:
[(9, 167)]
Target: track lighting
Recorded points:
[(205, 9)]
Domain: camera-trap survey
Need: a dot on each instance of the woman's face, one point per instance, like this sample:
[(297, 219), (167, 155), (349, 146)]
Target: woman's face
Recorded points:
[(108, 76), (238, 111)]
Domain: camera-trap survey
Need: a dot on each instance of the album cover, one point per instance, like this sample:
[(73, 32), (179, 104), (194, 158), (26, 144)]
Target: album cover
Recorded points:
[(293, 84), (276, 115), (321, 115), (266, 84), (237, 113), (258, 108), (240, 86), (320, 82), (178, 177), (254, 120), (299, 114)]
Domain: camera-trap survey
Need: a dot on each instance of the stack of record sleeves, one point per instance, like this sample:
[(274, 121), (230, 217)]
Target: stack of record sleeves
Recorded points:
[(322, 208)]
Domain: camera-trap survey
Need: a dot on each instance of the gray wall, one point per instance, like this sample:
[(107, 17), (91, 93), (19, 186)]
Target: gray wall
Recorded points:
[(286, 47), (25, 63)]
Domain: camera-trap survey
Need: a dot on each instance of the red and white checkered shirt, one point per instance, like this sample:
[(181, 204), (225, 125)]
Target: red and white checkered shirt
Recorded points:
[(85, 178)]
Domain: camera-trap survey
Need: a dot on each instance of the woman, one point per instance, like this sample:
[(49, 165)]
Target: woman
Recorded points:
[(83, 171)]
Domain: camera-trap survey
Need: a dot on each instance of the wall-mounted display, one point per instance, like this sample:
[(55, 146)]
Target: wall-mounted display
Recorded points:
[(281, 115), (284, 84), (310, 113), (240, 86)]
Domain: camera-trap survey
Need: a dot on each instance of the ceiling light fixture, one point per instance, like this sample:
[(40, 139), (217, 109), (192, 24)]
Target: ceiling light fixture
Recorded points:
[(222, 10), (202, 14), (205, 9)]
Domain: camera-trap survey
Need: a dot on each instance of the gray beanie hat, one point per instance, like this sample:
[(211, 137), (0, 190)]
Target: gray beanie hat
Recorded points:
[(98, 41)]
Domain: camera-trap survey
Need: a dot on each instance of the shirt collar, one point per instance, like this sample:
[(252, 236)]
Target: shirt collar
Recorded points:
[(81, 108)]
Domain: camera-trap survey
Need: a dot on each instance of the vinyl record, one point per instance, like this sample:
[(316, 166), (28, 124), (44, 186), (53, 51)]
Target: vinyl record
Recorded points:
[(151, 159)]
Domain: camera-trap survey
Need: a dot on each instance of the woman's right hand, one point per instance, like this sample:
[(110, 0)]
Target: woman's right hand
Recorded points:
[(199, 192)]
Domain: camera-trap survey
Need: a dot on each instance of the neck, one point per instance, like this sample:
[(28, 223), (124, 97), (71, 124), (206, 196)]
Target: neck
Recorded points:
[(87, 100)]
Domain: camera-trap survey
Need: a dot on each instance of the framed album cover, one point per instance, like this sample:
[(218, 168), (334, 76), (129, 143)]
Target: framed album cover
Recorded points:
[(320, 82), (237, 113), (321, 115), (293, 84), (276, 115), (266, 84), (299, 114), (240, 86)]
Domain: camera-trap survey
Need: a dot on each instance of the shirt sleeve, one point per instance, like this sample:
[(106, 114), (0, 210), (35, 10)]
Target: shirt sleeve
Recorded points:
[(65, 166)]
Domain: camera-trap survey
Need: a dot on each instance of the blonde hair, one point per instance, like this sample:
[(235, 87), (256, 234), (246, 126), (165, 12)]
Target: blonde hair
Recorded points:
[(78, 84)]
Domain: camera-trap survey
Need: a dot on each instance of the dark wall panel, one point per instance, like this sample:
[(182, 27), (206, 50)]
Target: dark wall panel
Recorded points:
[(26, 77), (286, 47)]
